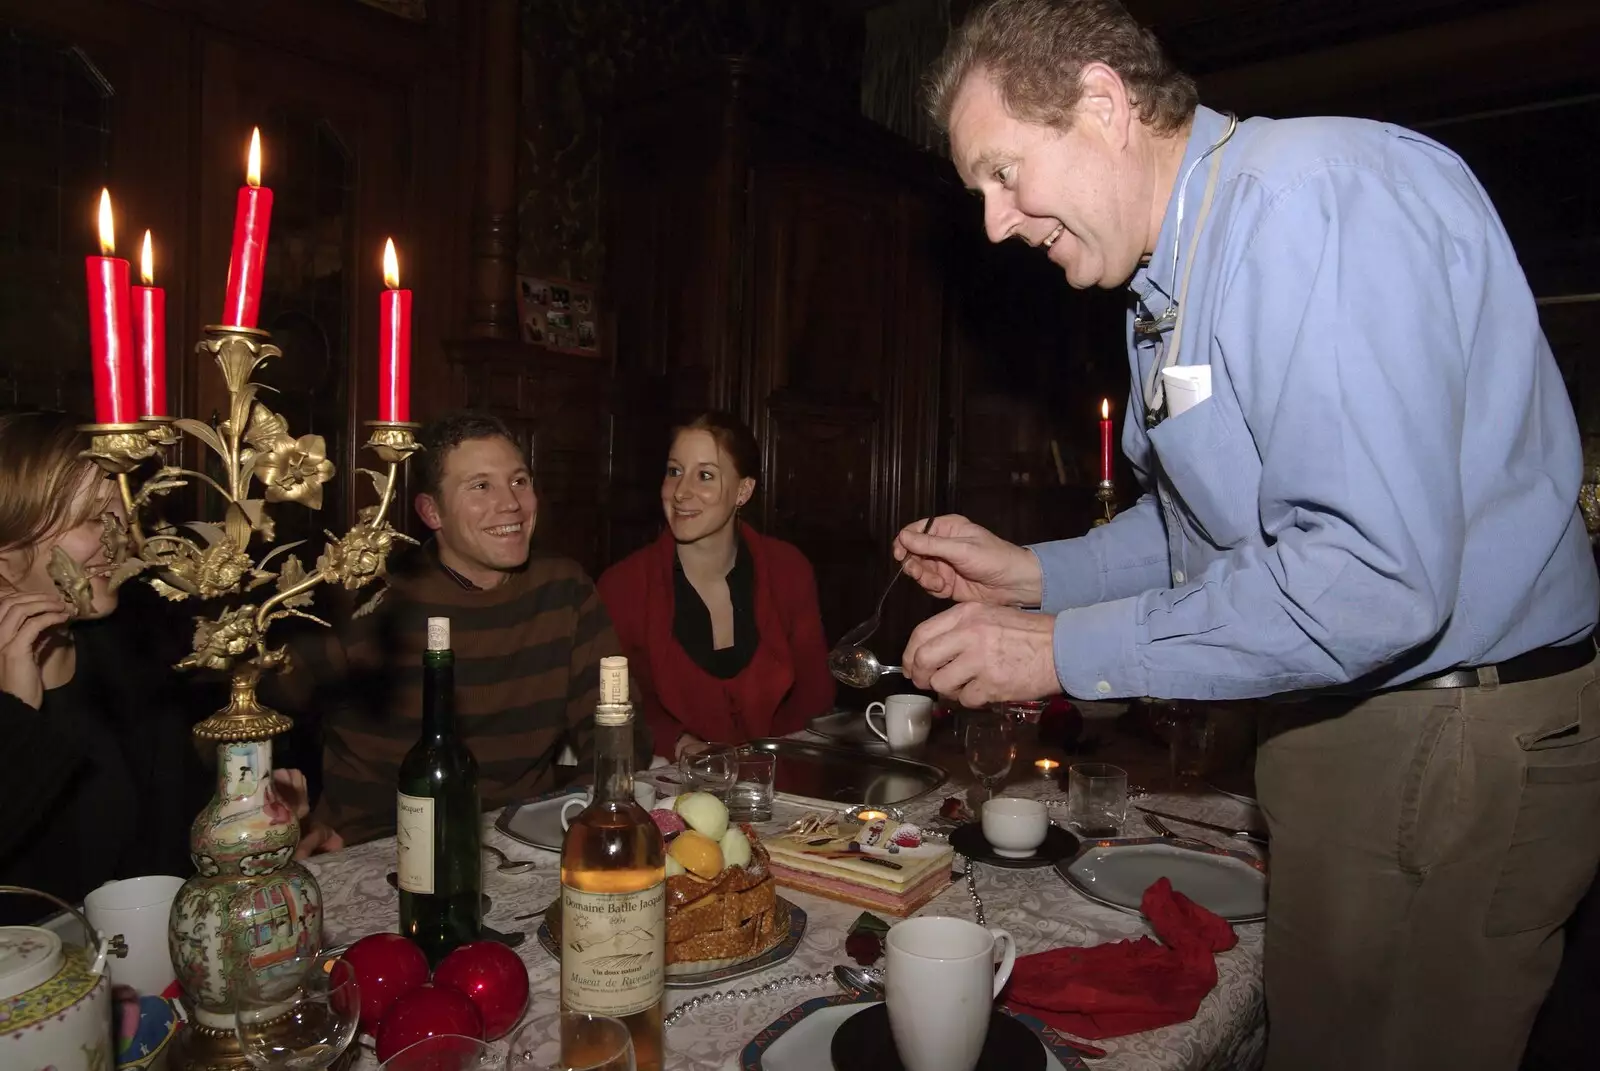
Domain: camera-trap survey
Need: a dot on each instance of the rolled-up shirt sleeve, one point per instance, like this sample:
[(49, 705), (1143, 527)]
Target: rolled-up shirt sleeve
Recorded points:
[(1342, 342)]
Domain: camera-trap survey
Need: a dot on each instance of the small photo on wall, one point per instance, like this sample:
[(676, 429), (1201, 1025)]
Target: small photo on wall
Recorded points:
[(559, 314)]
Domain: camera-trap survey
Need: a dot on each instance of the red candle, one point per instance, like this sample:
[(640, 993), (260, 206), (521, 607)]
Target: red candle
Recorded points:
[(251, 221), (110, 328), (150, 338), (1105, 440), (394, 343)]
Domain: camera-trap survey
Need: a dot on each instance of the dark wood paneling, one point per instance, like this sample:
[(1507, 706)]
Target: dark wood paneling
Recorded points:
[(141, 54), (781, 259), (187, 78)]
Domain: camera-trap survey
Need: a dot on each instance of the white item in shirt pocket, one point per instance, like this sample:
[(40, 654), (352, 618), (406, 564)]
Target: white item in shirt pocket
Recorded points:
[(1186, 387)]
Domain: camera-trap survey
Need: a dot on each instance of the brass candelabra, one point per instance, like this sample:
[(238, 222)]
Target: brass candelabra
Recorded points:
[(250, 907)]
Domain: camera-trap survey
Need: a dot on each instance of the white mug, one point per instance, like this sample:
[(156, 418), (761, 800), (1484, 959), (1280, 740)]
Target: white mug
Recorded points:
[(906, 719), (644, 794), (941, 988), (137, 909)]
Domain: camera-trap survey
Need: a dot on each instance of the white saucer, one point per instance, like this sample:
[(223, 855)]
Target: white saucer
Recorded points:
[(537, 822)]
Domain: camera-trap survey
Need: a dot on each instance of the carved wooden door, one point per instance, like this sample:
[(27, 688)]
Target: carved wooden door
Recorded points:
[(845, 349)]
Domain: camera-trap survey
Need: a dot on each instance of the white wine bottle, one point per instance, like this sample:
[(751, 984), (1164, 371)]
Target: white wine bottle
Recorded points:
[(439, 870), (613, 887)]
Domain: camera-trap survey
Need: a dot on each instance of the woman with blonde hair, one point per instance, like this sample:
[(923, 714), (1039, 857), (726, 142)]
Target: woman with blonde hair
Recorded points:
[(98, 776)]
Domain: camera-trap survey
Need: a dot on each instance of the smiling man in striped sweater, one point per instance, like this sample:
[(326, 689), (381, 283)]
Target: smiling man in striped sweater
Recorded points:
[(529, 632)]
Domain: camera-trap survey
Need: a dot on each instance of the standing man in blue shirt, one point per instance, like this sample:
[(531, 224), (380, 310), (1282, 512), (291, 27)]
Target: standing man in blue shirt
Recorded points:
[(1372, 519)]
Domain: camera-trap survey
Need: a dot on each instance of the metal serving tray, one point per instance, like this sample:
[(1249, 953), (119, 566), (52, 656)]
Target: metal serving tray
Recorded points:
[(845, 775)]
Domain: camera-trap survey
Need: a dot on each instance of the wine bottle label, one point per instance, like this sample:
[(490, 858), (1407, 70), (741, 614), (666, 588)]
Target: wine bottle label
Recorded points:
[(613, 950), (414, 840)]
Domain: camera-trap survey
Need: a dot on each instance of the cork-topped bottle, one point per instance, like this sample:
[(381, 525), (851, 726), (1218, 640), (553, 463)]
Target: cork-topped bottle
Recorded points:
[(613, 887), (438, 868)]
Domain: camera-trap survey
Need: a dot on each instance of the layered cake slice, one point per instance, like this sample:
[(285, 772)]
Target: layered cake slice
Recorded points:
[(885, 865)]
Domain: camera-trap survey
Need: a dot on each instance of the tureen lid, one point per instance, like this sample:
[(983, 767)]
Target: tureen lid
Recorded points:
[(29, 957)]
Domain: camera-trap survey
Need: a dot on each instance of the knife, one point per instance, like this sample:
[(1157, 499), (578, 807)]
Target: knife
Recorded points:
[(1244, 834)]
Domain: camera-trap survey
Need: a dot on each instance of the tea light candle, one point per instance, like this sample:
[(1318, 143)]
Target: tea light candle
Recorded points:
[(1046, 768), (873, 812)]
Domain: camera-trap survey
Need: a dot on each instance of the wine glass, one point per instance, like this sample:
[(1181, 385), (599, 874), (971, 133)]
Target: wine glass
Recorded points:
[(582, 1043), (296, 1015), (444, 1052), (991, 745)]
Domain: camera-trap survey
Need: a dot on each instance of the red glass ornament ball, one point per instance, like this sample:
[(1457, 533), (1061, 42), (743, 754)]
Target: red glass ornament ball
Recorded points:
[(426, 1012), (494, 977), (387, 967)]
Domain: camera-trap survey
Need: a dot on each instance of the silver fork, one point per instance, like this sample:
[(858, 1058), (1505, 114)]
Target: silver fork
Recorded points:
[(1158, 826), (864, 630)]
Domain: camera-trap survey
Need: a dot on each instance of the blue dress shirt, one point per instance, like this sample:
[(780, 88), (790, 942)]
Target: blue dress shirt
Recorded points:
[(1383, 483)]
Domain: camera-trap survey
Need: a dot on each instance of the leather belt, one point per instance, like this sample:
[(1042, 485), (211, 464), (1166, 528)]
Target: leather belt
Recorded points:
[(1530, 666)]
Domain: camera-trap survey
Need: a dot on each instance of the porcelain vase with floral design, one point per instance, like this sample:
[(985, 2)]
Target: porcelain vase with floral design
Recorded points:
[(250, 906)]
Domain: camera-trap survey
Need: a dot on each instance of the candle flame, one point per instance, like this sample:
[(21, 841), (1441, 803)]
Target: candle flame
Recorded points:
[(108, 241), (252, 171), (1105, 409), (147, 272), (391, 265)]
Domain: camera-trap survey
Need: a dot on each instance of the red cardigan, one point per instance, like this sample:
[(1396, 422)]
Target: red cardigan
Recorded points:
[(787, 681)]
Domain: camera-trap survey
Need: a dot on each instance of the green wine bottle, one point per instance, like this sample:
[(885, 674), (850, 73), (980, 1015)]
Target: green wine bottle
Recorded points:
[(439, 871)]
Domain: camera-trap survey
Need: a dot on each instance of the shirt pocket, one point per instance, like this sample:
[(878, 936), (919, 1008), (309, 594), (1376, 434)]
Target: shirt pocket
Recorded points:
[(1212, 473)]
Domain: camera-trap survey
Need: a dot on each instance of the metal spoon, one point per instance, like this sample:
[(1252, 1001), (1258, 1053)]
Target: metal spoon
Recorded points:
[(857, 667), (508, 865), (862, 632), (865, 980)]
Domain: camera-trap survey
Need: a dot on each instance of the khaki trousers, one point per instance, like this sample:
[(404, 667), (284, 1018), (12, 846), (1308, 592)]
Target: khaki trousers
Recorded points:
[(1426, 848)]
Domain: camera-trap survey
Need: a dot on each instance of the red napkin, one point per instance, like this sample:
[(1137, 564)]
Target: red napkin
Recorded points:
[(1130, 986)]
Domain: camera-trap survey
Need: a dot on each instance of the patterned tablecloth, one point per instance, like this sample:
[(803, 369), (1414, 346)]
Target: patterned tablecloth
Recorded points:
[(1037, 906)]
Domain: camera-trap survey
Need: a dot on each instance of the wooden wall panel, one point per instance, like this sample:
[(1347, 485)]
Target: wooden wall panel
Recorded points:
[(818, 295)]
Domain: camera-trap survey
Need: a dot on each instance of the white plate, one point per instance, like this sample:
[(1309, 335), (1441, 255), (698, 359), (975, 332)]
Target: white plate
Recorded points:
[(802, 1039), (1231, 884), (537, 822)]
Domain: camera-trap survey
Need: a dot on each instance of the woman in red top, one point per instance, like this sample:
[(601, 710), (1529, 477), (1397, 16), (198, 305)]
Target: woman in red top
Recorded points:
[(719, 622)]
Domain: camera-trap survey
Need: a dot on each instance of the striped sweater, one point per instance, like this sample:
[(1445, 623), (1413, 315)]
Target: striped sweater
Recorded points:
[(527, 657)]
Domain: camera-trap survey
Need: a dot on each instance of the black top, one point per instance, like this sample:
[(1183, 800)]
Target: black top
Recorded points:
[(102, 782), (691, 619)]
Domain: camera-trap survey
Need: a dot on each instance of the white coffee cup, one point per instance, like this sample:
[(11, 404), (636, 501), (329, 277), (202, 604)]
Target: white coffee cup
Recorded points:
[(941, 988), (644, 794), (1014, 828), (906, 720), (138, 909)]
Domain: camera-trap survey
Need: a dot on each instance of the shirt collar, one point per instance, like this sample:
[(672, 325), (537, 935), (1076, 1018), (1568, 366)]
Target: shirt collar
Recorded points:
[(466, 585), (1153, 283), (438, 559)]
